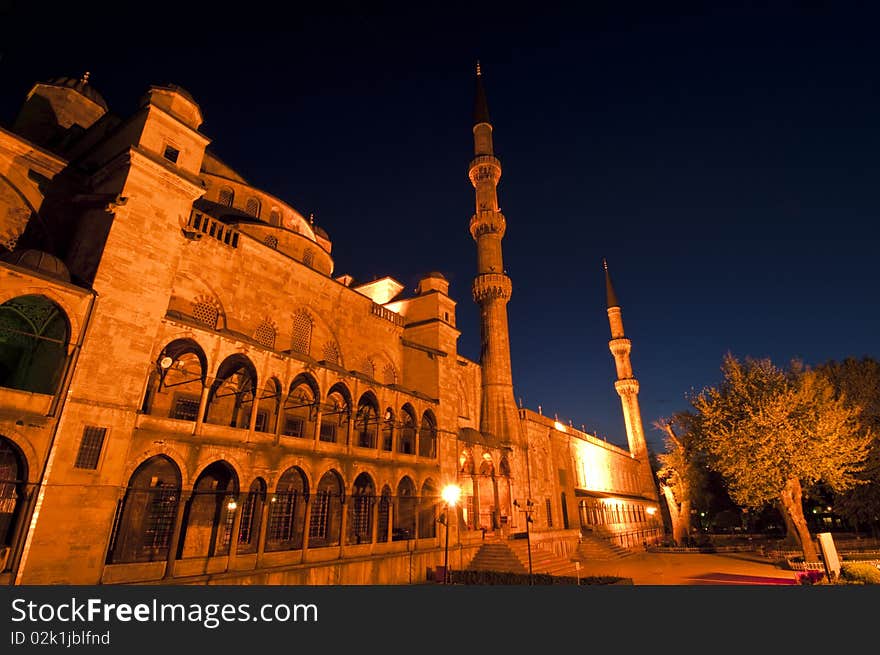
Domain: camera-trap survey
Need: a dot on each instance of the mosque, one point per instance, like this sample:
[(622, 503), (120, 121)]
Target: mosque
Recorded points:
[(190, 395)]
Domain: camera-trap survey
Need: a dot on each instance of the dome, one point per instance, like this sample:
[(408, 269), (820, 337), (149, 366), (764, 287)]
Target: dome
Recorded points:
[(82, 86), (39, 261), (320, 232), (435, 274)]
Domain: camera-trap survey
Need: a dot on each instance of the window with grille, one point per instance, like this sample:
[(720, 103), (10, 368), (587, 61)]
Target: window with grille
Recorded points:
[(262, 424), (388, 375), (185, 408), (367, 368), (328, 431), (227, 195), (331, 353), (294, 427), (206, 314), (245, 531), (275, 216), (302, 333), (271, 241), (90, 447), (309, 257), (252, 207), (549, 513), (162, 506), (320, 516), (281, 516), (265, 335), (361, 519)]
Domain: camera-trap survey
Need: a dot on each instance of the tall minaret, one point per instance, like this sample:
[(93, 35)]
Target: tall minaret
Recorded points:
[(491, 288), (628, 389)]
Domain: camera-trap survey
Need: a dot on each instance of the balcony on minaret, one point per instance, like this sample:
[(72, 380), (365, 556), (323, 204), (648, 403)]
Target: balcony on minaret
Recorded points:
[(491, 285), (488, 221)]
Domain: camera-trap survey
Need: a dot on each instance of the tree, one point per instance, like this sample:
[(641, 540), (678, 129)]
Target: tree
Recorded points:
[(859, 382), (770, 433), (679, 474)]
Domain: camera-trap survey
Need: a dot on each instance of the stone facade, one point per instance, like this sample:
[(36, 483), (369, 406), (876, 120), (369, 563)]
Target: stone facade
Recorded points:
[(190, 396)]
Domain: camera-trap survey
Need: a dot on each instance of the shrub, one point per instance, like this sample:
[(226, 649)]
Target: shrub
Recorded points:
[(509, 578), (860, 573)]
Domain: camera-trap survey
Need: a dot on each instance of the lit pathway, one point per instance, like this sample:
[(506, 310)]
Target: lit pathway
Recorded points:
[(693, 569)]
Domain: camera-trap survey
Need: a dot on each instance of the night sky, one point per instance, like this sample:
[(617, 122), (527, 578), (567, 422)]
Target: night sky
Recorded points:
[(724, 160)]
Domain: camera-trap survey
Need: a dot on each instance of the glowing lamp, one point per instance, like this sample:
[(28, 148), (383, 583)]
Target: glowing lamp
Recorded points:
[(559, 426), (651, 511), (451, 493)]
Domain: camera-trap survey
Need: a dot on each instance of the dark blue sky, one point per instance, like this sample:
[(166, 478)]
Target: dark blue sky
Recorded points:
[(724, 160)]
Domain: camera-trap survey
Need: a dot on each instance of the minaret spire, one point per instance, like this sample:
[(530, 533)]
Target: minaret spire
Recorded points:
[(491, 288), (627, 388)]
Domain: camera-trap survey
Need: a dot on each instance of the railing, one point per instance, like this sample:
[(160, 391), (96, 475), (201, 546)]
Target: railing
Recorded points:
[(202, 224), (635, 538), (387, 314)]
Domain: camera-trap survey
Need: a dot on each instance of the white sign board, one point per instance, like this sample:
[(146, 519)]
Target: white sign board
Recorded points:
[(829, 554)]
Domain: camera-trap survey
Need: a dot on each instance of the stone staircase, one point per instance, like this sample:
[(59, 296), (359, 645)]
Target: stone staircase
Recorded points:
[(496, 556), (592, 548)]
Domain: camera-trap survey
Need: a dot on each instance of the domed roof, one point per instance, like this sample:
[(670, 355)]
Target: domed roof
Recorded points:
[(435, 274), (39, 261), (82, 86), (321, 232)]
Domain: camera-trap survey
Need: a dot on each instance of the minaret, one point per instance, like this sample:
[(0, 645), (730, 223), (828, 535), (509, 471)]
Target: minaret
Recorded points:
[(491, 288), (627, 388)]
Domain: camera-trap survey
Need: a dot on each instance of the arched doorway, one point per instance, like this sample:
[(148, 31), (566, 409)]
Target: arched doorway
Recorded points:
[(13, 496), (207, 526)]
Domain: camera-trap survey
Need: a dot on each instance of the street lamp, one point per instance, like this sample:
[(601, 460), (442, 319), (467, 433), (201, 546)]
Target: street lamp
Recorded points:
[(527, 510), (451, 493)]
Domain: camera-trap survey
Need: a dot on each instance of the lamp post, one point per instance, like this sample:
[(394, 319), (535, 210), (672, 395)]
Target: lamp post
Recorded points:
[(451, 493), (527, 510)]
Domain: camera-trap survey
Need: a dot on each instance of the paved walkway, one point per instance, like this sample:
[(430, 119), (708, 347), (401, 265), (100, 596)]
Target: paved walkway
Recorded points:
[(693, 569)]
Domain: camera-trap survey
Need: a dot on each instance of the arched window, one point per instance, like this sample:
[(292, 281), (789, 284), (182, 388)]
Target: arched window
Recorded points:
[(206, 313), (388, 375), (406, 441), (271, 241), (564, 507), (300, 407), (275, 216), (207, 529), (252, 207), (268, 404), (366, 424), (231, 399), (251, 514), (176, 383), (360, 515), (331, 352), (287, 511), (428, 510), (302, 333), (405, 516), (265, 334), (368, 368), (487, 467), (388, 430), (227, 196), (384, 514), (466, 462), (428, 436), (13, 493), (34, 333), (309, 257), (326, 518), (504, 466), (142, 532), (336, 414)]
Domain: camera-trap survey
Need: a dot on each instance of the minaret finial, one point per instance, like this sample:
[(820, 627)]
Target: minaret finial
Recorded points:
[(479, 73), (85, 77), (312, 218), (610, 296)]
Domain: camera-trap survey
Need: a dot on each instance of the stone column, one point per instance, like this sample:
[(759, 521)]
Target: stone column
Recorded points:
[(264, 524), (174, 543), (203, 406)]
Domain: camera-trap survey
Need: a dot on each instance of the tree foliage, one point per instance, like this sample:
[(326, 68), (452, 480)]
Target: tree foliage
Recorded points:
[(858, 380), (770, 432)]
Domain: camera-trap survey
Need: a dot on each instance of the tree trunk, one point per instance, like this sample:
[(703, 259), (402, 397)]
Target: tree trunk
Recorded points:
[(790, 537), (791, 499), (680, 516)]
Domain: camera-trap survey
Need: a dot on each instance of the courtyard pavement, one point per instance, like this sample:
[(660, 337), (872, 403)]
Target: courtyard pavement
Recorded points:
[(693, 569)]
